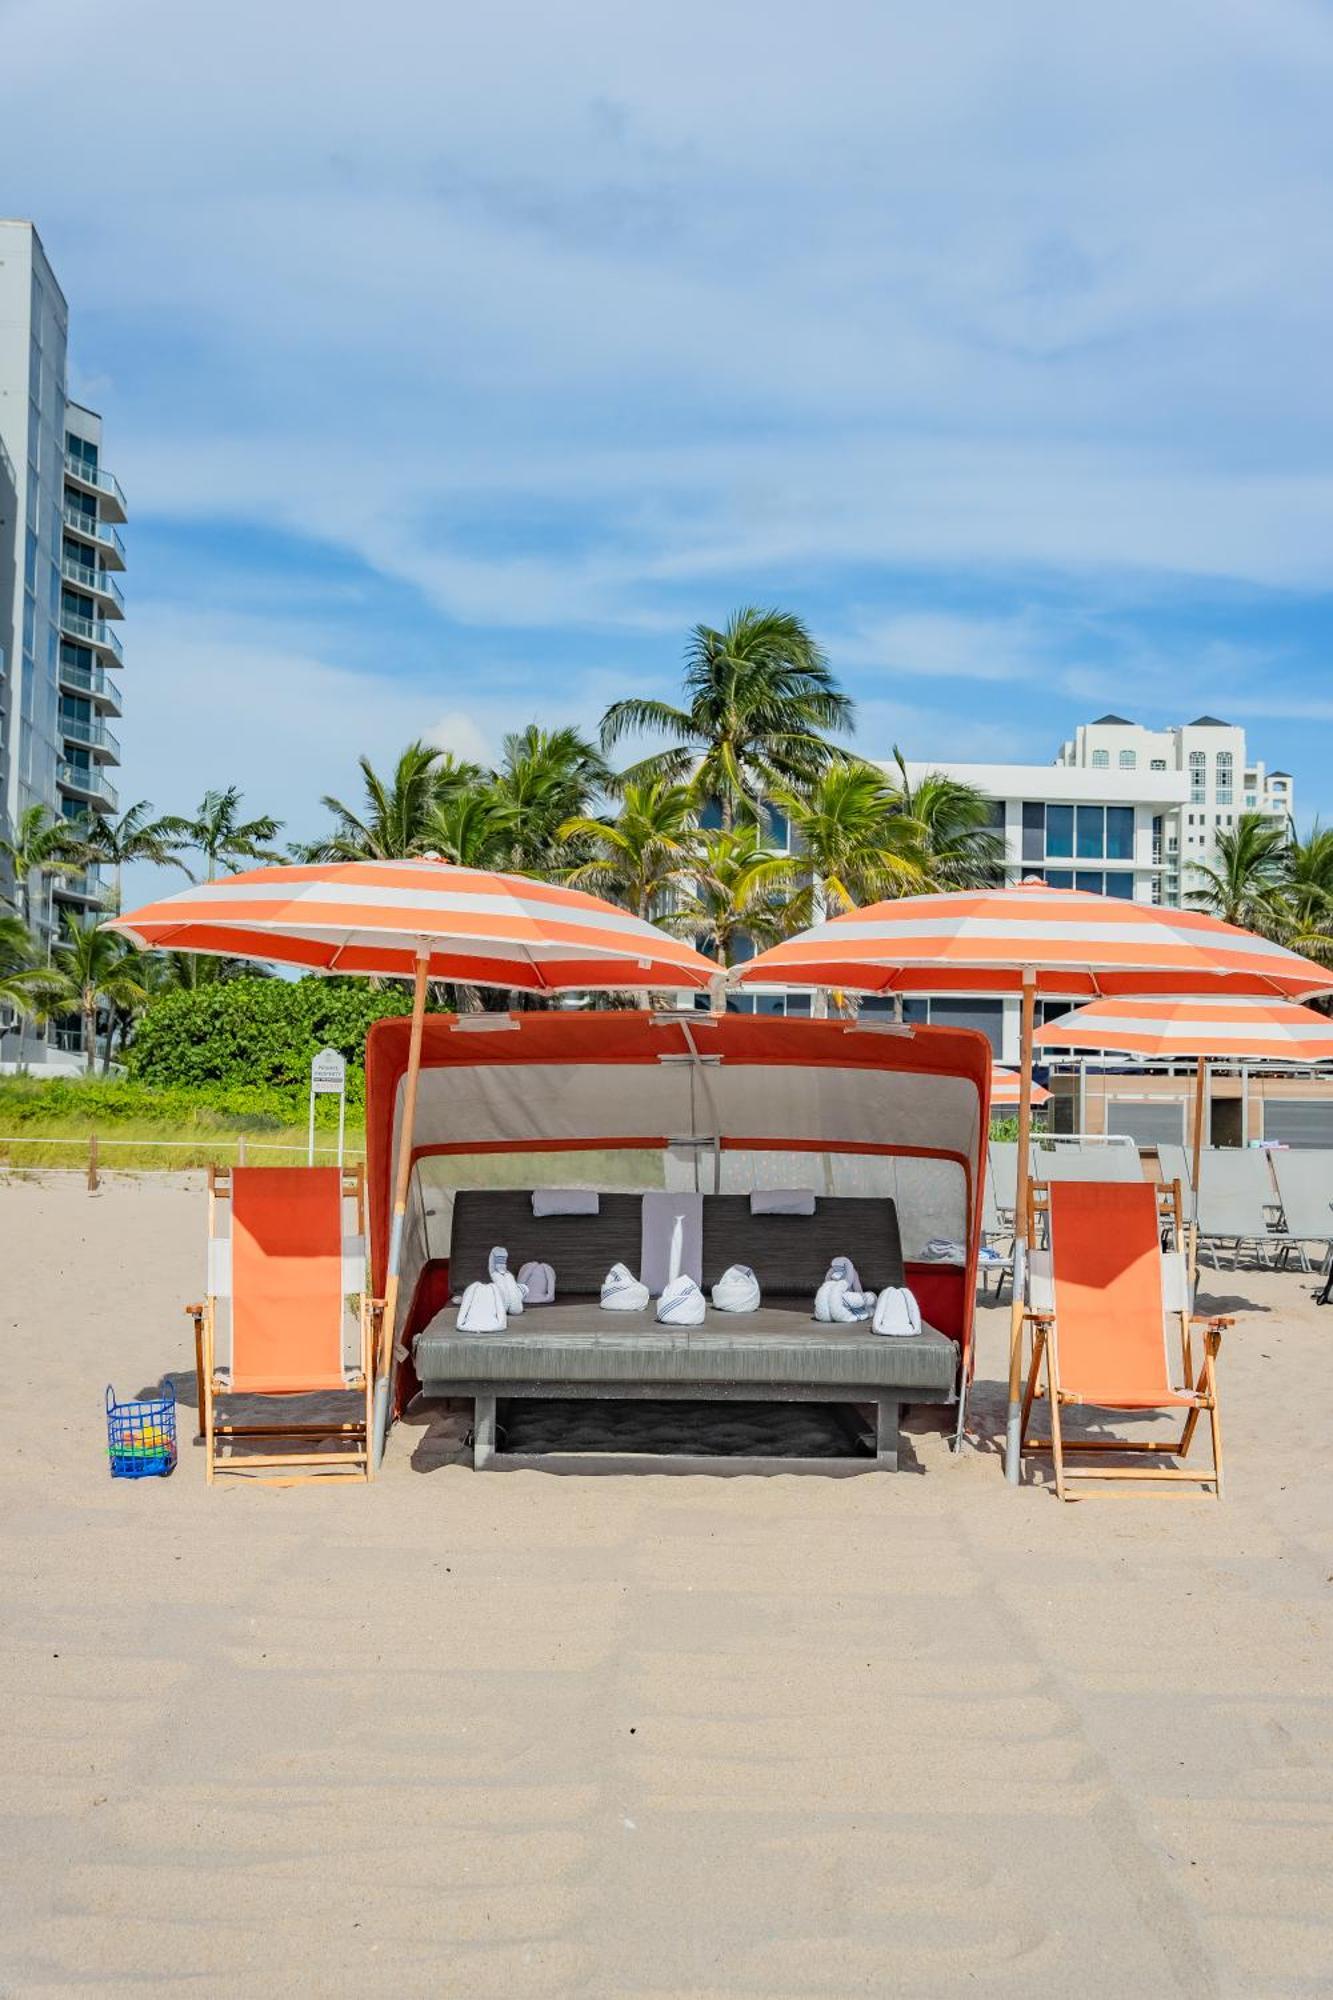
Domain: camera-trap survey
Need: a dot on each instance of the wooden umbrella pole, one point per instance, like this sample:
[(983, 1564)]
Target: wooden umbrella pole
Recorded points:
[(1012, 1453), (402, 1176), (1200, 1106)]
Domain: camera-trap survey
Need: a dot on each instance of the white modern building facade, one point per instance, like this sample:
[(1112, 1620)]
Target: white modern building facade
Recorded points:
[(61, 560)]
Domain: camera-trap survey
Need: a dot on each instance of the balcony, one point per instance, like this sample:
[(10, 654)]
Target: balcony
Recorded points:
[(91, 732), (92, 632), (96, 479), (101, 532), (83, 888), (95, 682), (86, 781), (97, 581)]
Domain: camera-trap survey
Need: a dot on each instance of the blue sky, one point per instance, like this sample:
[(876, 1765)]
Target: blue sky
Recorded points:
[(456, 360)]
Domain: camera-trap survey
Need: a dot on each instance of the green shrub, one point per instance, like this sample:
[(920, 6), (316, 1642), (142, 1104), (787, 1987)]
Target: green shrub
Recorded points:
[(73, 1104), (258, 1035)]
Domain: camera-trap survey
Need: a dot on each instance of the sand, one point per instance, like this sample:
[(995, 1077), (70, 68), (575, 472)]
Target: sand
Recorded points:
[(517, 1734)]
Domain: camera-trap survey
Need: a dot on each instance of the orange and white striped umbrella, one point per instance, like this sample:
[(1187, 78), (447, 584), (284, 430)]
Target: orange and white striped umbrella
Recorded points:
[(1005, 1085), (1077, 944), (1219, 1026), (471, 925)]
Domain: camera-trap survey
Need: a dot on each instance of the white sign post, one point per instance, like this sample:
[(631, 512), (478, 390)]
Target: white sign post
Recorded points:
[(328, 1073)]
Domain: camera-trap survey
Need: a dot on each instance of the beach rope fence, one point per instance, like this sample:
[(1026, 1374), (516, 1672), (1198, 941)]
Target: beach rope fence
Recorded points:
[(94, 1153)]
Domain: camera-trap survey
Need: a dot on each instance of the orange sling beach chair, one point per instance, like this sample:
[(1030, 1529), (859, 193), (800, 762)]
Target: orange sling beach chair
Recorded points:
[(1107, 1305), (275, 1322)]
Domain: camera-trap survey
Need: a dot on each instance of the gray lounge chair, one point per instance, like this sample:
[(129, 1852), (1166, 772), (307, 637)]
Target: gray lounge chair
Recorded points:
[(1305, 1187), (1086, 1163), (1236, 1200), (1002, 1180), (996, 1234), (1175, 1164)]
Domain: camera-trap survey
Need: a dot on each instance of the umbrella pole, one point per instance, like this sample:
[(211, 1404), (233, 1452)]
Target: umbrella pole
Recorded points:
[(402, 1176), (1012, 1454), (1200, 1106)]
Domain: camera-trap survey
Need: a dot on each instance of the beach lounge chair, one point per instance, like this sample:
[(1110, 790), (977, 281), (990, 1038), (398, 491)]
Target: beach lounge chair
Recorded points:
[(996, 1235), (1087, 1163), (1236, 1193), (1002, 1180), (1305, 1186), (1103, 1302), (1173, 1163), (286, 1252)]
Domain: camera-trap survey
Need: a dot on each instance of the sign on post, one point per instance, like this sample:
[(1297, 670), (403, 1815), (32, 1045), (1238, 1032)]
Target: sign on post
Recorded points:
[(328, 1075)]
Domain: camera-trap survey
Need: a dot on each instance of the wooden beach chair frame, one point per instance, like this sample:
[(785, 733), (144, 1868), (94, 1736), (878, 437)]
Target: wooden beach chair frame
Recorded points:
[(1199, 1398), (346, 1444)]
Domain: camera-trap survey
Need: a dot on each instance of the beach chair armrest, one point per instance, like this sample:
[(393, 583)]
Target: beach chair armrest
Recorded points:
[(196, 1312), (1041, 1314)]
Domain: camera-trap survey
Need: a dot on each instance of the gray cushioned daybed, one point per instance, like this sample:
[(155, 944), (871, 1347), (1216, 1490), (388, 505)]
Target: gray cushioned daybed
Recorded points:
[(779, 1354)]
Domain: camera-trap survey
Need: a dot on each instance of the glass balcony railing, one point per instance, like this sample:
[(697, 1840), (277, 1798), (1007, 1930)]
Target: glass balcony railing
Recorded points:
[(97, 531), (96, 580), (95, 682), (86, 781), (89, 730), (92, 631), (98, 478), (83, 888)]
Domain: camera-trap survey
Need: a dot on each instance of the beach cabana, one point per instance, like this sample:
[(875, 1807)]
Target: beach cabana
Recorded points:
[(421, 919), (1031, 940), (881, 1132)]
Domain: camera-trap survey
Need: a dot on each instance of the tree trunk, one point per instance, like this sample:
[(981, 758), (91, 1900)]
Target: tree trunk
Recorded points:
[(89, 1038)]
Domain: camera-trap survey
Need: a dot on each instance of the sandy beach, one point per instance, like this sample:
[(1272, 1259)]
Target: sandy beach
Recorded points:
[(518, 1734)]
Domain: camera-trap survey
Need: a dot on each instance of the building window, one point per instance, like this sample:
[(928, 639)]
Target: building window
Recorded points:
[(1091, 880), (1158, 764), (1090, 832), (1101, 760), (1119, 882), (1060, 831), (1059, 878), (1120, 833), (1128, 760), (1034, 830)]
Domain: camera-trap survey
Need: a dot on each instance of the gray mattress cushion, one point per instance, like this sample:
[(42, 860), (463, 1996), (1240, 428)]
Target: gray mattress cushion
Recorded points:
[(580, 1248), (576, 1341), (790, 1254)]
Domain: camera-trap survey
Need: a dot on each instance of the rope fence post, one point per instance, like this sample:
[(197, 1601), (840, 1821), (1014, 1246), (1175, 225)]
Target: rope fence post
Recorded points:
[(92, 1163)]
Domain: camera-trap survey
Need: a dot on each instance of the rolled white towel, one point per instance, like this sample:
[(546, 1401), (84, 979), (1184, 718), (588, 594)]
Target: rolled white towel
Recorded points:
[(537, 1283), (897, 1313), (566, 1201), (682, 1303), (843, 1271), (737, 1290), (482, 1309), (497, 1265), (944, 1250), (782, 1201), (837, 1304), (622, 1292)]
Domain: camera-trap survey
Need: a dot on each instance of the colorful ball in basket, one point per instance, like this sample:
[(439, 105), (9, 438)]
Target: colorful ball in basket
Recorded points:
[(141, 1436)]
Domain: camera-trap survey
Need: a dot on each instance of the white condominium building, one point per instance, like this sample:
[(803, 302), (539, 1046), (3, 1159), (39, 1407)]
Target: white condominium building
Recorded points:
[(60, 559)]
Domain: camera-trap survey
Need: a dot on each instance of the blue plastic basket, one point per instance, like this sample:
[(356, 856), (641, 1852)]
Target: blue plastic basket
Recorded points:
[(141, 1437)]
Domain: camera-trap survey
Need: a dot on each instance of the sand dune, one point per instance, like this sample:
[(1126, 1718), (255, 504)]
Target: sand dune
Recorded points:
[(657, 1737)]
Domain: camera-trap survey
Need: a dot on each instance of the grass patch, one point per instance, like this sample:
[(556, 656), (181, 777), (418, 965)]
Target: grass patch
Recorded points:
[(47, 1123)]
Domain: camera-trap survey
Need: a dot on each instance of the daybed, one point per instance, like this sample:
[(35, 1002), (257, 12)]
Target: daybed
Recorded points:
[(888, 1130)]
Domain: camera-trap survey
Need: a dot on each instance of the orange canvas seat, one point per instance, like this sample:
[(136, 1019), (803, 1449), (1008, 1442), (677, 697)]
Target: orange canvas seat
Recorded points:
[(1104, 1300), (292, 1257)]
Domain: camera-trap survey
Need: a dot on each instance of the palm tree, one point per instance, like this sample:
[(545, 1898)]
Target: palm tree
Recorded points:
[(92, 967), (758, 696), (473, 827), (1245, 887), (740, 893), (957, 844), (223, 837), (1307, 892), (857, 846), (135, 836), (642, 855), (392, 822), (24, 981), (41, 845), (547, 777)]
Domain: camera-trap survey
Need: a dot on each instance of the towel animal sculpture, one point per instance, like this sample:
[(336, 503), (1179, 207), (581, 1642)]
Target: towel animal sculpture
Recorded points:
[(622, 1292), (840, 1298), (737, 1290), (510, 1290), (897, 1314), (537, 1284), (482, 1309), (682, 1303)]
